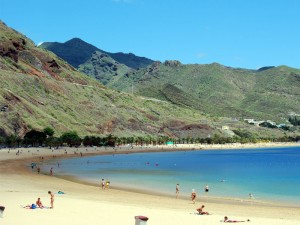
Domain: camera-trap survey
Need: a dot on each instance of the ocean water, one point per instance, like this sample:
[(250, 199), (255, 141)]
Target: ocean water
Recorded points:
[(269, 174)]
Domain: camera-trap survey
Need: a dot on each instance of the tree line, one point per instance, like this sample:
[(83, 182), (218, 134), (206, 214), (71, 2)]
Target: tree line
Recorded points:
[(35, 138), (294, 119)]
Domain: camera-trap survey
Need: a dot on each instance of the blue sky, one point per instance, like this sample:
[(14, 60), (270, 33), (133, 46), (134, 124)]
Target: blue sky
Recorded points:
[(238, 33)]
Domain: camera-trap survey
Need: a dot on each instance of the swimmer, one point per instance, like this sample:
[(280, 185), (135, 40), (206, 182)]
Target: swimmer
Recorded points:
[(251, 196)]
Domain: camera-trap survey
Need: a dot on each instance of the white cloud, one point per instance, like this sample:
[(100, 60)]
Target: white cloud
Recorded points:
[(40, 43)]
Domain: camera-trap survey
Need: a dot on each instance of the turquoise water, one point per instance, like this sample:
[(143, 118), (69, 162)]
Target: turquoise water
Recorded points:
[(270, 174)]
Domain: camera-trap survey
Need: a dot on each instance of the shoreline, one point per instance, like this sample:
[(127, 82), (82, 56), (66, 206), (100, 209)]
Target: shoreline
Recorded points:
[(204, 199), (50, 154), (15, 175)]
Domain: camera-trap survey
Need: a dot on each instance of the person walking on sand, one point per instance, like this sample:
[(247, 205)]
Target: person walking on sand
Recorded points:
[(177, 190), (193, 195), (51, 171), (51, 199)]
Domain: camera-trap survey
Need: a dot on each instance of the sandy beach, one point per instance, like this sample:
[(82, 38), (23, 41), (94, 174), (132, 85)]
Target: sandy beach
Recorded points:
[(87, 204)]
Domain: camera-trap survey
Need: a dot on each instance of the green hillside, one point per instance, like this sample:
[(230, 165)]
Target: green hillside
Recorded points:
[(103, 68), (218, 90), (38, 89)]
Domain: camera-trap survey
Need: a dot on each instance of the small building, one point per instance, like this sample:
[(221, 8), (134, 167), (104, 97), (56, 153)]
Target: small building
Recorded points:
[(225, 127)]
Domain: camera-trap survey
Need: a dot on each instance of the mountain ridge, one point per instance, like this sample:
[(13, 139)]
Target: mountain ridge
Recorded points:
[(77, 52)]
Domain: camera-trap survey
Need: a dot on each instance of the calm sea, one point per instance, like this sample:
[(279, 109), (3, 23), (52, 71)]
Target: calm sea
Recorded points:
[(269, 174)]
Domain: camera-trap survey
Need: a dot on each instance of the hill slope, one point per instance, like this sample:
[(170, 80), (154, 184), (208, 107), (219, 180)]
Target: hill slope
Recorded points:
[(103, 68), (38, 89), (271, 93)]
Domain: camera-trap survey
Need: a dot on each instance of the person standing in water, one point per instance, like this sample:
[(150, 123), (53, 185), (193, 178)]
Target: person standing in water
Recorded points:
[(177, 190), (193, 195), (107, 183), (206, 188), (103, 184)]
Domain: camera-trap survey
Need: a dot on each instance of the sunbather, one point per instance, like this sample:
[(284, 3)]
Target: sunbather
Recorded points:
[(32, 206), (226, 220)]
